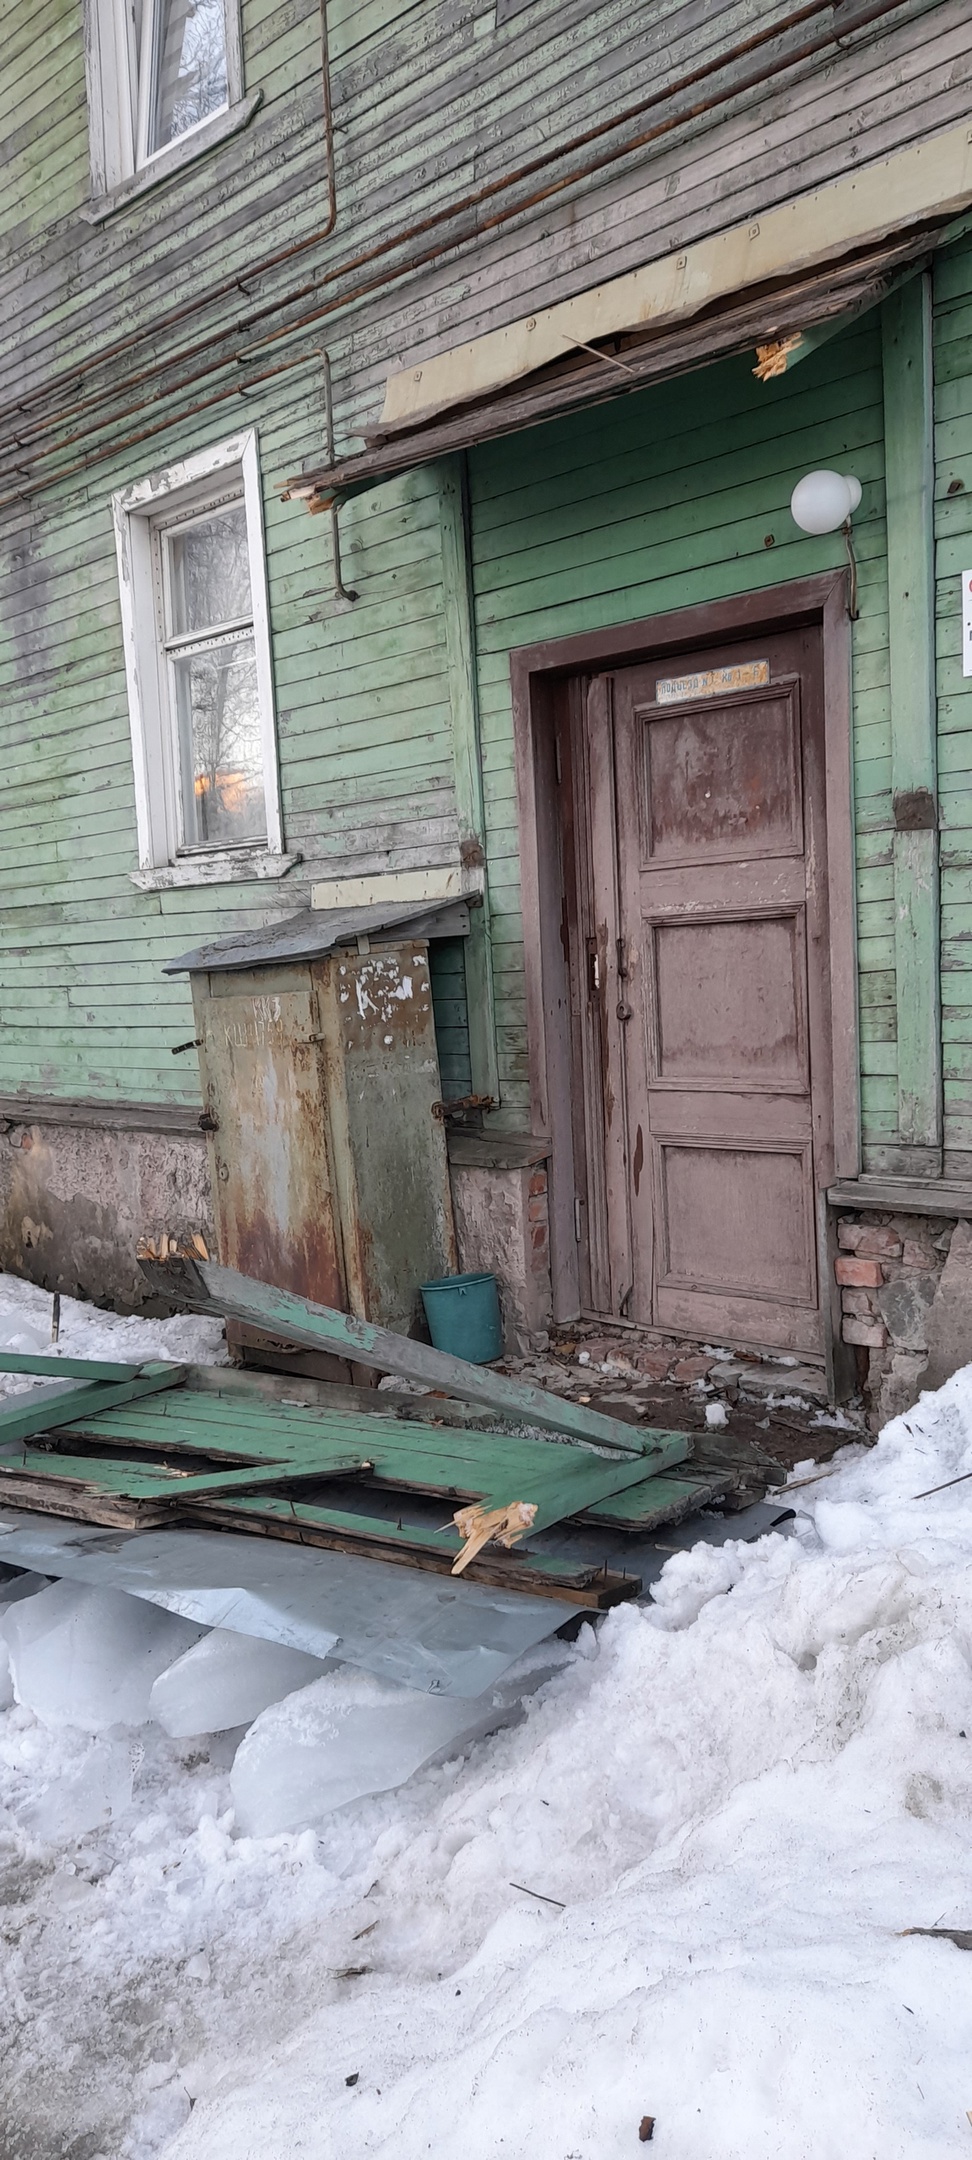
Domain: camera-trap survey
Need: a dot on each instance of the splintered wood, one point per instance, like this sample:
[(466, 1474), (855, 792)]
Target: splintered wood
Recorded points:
[(479, 1526), (167, 1247)]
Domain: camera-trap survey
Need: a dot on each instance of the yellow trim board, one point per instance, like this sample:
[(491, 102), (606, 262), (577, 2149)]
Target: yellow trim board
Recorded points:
[(394, 886), (930, 179)]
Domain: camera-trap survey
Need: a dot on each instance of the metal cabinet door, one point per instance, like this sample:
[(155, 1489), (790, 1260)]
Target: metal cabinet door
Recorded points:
[(263, 1077)]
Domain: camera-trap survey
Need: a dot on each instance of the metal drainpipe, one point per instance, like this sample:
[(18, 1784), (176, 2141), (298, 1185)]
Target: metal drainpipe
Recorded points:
[(343, 592)]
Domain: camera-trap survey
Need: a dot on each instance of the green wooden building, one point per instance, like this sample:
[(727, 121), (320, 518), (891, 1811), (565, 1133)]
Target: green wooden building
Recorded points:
[(402, 406)]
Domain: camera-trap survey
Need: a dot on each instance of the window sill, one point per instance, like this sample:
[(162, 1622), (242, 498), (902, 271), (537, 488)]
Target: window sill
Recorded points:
[(179, 154), (236, 866)]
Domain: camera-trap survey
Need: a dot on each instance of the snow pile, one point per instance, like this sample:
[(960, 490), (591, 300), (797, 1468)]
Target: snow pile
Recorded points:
[(25, 1326), (677, 1888), (742, 1799)]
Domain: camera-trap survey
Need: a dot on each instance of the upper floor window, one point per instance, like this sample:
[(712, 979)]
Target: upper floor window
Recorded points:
[(197, 651), (179, 65), (164, 83)]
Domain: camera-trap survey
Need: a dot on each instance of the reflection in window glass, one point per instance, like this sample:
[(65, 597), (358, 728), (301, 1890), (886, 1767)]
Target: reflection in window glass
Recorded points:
[(209, 573), (220, 757), (182, 72), (213, 678)]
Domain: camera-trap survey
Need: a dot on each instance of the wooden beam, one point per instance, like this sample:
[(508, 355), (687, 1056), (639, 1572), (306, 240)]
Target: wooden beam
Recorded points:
[(908, 430), (205, 1287), (100, 1116), (902, 1195)]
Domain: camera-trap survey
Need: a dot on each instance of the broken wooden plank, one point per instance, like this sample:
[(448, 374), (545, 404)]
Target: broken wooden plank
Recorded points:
[(657, 1501), (45, 1409), (184, 1279), (496, 1469)]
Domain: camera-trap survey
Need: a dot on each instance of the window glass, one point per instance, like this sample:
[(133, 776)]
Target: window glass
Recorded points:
[(209, 573), (220, 756), (213, 690), (181, 67)]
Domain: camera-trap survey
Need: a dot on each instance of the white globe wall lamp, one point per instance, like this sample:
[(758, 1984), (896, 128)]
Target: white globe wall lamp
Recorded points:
[(825, 502)]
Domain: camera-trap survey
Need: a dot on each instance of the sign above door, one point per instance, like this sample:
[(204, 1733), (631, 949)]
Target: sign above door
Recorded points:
[(713, 682)]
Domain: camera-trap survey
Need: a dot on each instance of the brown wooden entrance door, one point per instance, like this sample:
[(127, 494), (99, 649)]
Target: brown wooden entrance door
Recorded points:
[(708, 841)]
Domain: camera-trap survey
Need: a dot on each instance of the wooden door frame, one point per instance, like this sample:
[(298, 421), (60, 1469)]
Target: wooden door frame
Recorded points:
[(535, 672)]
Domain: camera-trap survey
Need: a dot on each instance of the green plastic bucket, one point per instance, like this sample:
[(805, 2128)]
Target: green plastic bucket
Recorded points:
[(464, 1316)]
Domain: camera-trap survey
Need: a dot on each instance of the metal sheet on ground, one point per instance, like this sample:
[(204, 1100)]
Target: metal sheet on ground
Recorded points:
[(425, 1631)]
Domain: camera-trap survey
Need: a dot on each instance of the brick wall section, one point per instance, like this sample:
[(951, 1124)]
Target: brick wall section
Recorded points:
[(502, 1227), (888, 1268)]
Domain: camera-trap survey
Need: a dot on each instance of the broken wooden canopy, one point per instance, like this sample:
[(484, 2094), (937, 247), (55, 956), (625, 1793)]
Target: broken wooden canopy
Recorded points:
[(802, 310), (817, 259), (137, 1446)]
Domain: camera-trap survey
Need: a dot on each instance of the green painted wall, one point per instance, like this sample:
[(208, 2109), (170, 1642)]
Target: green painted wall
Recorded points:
[(666, 499), (364, 723), (662, 500)]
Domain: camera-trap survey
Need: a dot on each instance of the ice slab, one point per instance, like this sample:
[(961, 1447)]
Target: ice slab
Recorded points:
[(18, 1334), (86, 1657), (426, 1631), (226, 1680), (6, 1678), (350, 1734), (16, 1583), (84, 1795)]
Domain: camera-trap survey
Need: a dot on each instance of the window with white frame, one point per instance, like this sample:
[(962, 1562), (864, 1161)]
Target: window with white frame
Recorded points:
[(164, 80), (194, 614)]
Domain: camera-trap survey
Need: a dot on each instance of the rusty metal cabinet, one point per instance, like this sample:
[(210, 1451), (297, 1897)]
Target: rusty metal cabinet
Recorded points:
[(320, 1076)]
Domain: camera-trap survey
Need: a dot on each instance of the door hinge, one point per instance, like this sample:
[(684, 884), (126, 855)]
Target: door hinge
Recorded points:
[(577, 1220)]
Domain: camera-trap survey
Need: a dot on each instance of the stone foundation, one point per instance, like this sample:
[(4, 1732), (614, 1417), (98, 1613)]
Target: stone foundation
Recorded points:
[(74, 1200), (906, 1297)]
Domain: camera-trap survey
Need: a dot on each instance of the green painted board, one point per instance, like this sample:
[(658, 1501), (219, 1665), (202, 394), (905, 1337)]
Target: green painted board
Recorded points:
[(66, 1368), (47, 1409), (659, 1500), (146, 1481), (208, 1288), (557, 1478), (257, 1430)]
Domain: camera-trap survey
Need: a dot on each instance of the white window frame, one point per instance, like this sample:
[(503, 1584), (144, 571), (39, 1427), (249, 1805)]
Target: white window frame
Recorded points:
[(195, 481), (117, 172)]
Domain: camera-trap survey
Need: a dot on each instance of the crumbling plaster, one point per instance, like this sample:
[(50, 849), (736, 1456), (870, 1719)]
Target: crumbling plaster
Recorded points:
[(75, 1200)]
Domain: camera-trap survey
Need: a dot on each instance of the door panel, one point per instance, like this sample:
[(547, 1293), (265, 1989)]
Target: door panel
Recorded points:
[(728, 1002), (714, 792), (718, 980), (712, 1238)]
